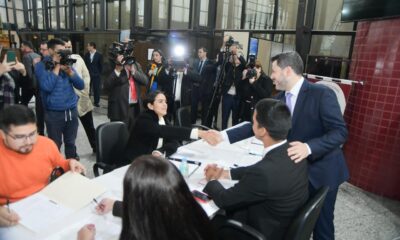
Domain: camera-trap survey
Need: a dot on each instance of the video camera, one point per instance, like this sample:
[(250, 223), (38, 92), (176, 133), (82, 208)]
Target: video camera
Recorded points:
[(65, 59), (122, 48), (178, 64)]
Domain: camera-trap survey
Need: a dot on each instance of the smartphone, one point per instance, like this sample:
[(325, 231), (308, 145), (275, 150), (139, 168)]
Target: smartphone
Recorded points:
[(10, 56), (202, 197)]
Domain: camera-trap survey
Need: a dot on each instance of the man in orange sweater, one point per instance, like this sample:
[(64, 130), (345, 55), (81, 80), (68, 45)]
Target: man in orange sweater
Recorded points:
[(26, 159)]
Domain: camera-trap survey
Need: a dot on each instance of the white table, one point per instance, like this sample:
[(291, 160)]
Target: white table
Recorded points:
[(108, 226)]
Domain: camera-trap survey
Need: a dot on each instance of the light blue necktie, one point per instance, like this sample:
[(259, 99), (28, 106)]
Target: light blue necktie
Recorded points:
[(289, 102)]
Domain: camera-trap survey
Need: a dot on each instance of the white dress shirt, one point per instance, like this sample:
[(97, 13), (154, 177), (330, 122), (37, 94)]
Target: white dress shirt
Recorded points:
[(295, 93)]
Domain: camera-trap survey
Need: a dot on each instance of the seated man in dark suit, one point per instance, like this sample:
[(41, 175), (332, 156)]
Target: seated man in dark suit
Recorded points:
[(270, 192)]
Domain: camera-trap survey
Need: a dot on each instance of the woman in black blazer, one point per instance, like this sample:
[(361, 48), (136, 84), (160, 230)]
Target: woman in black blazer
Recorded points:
[(251, 90), (152, 133)]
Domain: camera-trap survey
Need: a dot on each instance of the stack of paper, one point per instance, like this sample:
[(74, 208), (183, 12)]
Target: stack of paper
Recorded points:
[(67, 194)]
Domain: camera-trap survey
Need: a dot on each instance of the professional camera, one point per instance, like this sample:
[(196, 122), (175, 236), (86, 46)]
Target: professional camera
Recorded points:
[(65, 59), (230, 41), (122, 48), (251, 72)]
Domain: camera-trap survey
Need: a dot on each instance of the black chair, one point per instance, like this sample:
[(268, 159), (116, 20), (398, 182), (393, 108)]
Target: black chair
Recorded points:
[(234, 230), (183, 119), (111, 139), (304, 222), (57, 172)]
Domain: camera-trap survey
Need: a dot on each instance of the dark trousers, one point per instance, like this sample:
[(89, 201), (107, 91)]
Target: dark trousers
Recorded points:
[(196, 97), (230, 103), (245, 111), (87, 123), (171, 108), (134, 110), (63, 125), (95, 84), (205, 105), (177, 105), (324, 228), (39, 109)]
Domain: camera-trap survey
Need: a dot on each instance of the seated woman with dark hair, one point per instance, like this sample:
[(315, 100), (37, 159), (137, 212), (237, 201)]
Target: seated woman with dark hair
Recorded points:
[(152, 132), (157, 204)]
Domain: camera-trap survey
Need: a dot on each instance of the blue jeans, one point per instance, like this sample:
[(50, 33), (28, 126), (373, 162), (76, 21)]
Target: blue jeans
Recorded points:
[(63, 125), (230, 102)]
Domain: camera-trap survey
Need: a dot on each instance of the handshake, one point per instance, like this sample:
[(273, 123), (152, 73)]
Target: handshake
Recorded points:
[(212, 137)]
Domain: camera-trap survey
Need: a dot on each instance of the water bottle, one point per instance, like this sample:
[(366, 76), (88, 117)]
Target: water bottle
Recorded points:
[(184, 167)]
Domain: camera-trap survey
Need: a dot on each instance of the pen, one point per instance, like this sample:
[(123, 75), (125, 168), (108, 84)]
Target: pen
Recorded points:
[(188, 161), (255, 154), (234, 166), (94, 200)]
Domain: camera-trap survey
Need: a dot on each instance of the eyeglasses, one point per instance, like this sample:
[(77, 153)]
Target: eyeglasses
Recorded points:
[(19, 137)]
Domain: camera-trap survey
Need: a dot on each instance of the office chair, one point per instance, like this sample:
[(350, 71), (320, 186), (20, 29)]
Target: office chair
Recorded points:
[(57, 172), (234, 230), (338, 91), (304, 222), (111, 139), (184, 120)]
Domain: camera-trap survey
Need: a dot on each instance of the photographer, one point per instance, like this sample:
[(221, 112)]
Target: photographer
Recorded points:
[(123, 88), (255, 85), (57, 81), (183, 80), (230, 86)]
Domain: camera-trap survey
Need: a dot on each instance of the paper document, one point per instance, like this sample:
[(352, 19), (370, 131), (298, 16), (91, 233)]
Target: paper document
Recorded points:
[(37, 212), (107, 228), (73, 190)]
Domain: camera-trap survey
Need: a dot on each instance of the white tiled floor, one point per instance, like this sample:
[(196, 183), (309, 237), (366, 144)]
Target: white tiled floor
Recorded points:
[(359, 215)]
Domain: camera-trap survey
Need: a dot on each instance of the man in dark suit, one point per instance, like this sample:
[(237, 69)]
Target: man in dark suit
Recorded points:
[(270, 192), (122, 87), (94, 62), (203, 84), (318, 131)]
